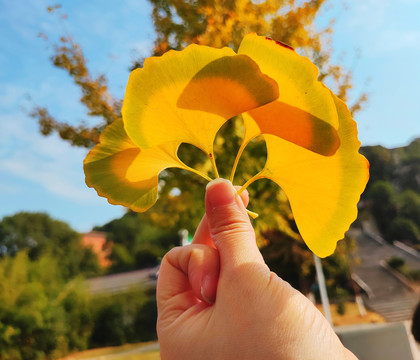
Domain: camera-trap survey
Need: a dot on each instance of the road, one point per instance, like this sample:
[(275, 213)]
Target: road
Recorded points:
[(121, 282), (389, 296)]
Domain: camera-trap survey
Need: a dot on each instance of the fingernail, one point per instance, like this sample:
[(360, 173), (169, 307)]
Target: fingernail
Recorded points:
[(209, 288), (220, 192)]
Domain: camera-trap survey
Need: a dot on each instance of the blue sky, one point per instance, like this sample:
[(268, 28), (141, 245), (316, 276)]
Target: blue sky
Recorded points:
[(378, 39)]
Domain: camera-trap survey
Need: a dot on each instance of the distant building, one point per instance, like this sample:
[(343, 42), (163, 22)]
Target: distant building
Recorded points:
[(96, 240)]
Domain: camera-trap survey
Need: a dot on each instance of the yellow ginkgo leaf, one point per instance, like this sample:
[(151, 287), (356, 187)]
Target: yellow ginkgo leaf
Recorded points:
[(186, 96), (304, 113), (120, 171), (323, 191)]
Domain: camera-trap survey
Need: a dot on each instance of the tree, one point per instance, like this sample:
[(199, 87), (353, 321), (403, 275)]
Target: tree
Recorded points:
[(403, 229), (136, 243), (384, 203), (41, 316), (109, 326), (382, 163), (124, 317), (215, 23), (409, 206), (39, 234), (289, 257), (409, 172)]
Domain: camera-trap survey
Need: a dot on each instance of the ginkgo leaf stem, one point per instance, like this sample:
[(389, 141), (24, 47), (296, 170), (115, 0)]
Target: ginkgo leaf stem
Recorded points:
[(249, 182), (213, 163), (199, 173), (254, 215), (238, 156)]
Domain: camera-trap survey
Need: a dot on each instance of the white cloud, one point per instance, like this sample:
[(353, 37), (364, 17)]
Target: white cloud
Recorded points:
[(50, 162), (11, 94), (24, 22)]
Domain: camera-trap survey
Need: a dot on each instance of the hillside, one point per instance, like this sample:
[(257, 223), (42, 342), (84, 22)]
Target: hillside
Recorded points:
[(392, 196)]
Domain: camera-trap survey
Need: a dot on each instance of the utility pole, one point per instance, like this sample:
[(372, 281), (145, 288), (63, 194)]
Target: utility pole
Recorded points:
[(322, 289)]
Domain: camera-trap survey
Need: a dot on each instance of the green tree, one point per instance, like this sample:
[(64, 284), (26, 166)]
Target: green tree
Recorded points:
[(39, 234), (144, 325), (290, 258), (39, 311), (384, 203), (396, 262), (409, 206), (109, 326), (338, 269), (412, 151), (409, 172), (122, 259), (403, 229), (136, 243), (382, 163), (124, 317)]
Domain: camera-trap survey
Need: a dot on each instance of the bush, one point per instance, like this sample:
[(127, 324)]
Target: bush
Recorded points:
[(415, 275), (341, 297), (148, 256), (109, 326), (125, 317), (396, 262), (403, 229), (409, 206), (41, 315), (145, 321)]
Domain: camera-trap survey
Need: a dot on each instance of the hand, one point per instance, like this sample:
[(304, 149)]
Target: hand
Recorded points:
[(217, 299)]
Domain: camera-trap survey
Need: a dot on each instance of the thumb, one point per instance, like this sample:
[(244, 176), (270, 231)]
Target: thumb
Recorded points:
[(229, 225)]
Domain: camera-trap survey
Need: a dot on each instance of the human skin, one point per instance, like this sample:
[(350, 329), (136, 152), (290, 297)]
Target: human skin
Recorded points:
[(217, 299)]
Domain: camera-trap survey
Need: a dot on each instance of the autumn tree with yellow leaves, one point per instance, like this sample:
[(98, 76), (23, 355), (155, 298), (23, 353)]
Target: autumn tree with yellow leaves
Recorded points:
[(216, 23)]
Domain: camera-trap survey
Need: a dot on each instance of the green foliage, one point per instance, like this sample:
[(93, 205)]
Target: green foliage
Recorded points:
[(109, 326), (36, 308), (397, 215), (45, 309), (289, 258), (122, 259), (415, 275), (382, 163), (34, 231), (403, 229), (39, 234), (404, 269), (409, 171), (409, 206), (384, 206), (126, 317), (44, 316), (129, 230), (144, 325), (341, 298), (394, 190), (338, 268), (148, 256), (136, 242), (395, 262), (412, 152)]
